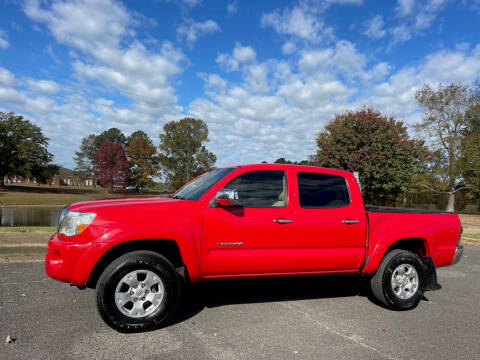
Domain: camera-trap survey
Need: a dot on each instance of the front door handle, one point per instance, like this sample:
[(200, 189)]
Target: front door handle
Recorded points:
[(350, 221), (282, 221)]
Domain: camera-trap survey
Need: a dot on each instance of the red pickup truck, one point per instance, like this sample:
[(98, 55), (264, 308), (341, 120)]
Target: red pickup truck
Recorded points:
[(246, 221)]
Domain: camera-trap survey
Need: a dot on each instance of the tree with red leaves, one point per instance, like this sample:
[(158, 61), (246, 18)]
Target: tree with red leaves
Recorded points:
[(111, 167)]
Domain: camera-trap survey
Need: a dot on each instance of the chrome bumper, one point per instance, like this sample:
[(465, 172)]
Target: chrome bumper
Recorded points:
[(458, 254)]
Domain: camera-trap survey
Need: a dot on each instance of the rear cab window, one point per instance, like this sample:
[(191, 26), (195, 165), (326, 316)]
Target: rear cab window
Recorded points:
[(316, 190)]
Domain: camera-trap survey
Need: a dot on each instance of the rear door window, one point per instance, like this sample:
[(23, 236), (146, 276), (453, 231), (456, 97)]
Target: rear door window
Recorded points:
[(322, 190)]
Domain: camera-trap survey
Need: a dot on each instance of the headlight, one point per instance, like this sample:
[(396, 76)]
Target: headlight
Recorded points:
[(73, 223)]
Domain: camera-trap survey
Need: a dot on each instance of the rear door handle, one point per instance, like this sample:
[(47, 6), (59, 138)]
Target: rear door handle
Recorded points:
[(282, 221), (350, 221)]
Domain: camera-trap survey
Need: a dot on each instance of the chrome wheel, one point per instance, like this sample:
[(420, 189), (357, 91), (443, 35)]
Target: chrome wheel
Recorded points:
[(405, 281), (139, 293)]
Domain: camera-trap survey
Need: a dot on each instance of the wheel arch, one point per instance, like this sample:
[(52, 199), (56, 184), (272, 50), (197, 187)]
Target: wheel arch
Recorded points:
[(417, 245), (166, 247)]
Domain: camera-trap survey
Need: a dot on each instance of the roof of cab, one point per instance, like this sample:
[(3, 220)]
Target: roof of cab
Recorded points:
[(296, 167)]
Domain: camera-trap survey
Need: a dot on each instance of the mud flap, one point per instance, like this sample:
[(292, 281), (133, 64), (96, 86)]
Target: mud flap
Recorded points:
[(430, 274)]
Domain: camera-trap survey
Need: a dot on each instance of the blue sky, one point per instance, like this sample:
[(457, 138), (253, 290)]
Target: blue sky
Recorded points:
[(264, 75)]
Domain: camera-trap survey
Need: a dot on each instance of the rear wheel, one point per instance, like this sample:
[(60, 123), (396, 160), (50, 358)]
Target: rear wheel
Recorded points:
[(399, 282), (139, 291)]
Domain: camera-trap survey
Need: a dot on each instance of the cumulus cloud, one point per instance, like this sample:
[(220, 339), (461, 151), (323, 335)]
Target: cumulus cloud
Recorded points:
[(291, 103), (4, 44), (240, 55), (297, 22), (190, 30), (374, 27), (101, 30)]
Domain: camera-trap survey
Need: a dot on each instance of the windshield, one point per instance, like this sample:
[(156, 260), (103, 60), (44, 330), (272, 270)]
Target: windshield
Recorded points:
[(195, 189)]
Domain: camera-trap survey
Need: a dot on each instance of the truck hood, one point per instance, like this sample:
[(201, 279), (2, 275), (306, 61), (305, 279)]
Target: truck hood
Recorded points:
[(98, 205)]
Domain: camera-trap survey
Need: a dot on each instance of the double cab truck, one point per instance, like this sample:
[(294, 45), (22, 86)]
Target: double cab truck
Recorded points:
[(246, 221)]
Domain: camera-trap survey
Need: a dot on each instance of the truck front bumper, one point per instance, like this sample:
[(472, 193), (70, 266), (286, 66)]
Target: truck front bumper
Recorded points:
[(458, 254)]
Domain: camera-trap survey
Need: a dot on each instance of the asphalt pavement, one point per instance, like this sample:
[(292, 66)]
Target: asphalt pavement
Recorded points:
[(287, 318)]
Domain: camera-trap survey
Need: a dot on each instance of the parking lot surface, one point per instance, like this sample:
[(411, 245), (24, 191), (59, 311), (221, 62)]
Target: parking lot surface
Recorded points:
[(281, 318)]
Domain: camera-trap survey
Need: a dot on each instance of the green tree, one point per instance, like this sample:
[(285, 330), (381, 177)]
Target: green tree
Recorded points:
[(45, 173), (282, 160), (84, 158), (23, 147), (470, 161), (377, 147), (445, 124), (112, 135), (142, 160), (183, 154)]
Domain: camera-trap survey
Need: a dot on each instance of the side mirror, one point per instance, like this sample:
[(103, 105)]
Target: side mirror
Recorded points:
[(226, 197)]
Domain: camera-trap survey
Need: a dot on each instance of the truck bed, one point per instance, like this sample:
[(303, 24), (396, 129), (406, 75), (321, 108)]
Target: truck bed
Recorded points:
[(382, 209)]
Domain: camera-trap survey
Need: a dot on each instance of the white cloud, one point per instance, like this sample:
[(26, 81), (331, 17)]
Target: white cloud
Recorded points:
[(396, 94), (299, 22), (405, 7), (4, 44), (374, 27), (102, 31), (232, 7), (289, 47), (190, 30), (88, 25), (342, 59), (43, 87), (240, 55), (417, 17), (7, 79), (277, 108), (243, 54)]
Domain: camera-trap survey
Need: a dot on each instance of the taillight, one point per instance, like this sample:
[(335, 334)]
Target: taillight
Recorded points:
[(460, 234)]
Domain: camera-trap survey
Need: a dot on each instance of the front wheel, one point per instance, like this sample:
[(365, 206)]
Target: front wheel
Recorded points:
[(139, 291), (399, 282)]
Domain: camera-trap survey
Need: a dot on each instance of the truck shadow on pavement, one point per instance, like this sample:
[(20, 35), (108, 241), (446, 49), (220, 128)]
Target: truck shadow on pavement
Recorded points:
[(210, 294)]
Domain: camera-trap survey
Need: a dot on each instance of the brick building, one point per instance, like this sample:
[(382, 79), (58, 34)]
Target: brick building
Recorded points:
[(65, 177)]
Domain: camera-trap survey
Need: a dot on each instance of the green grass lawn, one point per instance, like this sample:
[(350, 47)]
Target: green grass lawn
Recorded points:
[(28, 229)]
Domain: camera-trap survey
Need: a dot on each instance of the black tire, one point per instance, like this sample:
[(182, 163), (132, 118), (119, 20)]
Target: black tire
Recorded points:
[(113, 274), (381, 282)]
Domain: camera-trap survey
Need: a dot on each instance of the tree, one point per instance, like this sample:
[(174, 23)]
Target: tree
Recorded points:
[(112, 135), (136, 134), (84, 158), (142, 160), (377, 147), (44, 174), (183, 155), (111, 165), (470, 160), (282, 160), (445, 123), (90, 145), (23, 147)]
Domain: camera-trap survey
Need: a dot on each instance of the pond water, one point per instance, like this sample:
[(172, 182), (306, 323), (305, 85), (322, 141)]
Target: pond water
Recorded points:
[(29, 216)]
